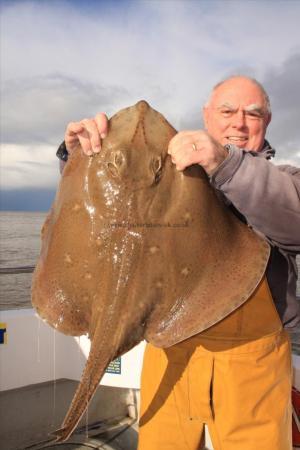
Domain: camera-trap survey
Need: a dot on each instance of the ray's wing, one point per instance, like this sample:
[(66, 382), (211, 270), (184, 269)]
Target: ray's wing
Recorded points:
[(210, 265)]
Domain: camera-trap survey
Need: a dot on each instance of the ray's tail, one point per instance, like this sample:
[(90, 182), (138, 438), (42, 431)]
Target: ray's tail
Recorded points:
[(99, 358)]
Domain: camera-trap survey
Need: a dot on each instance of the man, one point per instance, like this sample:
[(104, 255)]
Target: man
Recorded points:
[(235, 376)]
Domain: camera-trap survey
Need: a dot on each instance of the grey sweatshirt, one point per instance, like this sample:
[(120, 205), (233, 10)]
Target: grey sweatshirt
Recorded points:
[(267, 197)]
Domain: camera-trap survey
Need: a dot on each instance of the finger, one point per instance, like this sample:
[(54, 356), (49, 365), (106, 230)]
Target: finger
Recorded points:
[(179, 160), (85, 142), (181, 164), (175, 142), (182, 138), (71, 139), (92, 132), (74, 128), (187, 156), (179, 150), (183, 143), (102, 124)]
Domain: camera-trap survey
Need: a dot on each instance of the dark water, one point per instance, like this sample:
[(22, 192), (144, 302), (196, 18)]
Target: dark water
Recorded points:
[(20, 246)]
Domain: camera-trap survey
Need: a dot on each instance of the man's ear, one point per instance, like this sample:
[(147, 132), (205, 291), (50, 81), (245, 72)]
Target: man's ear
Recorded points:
[(205, 115), (269, 118)]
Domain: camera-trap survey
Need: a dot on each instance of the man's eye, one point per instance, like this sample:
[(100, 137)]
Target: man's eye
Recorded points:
[(226, 112), (254, 114)]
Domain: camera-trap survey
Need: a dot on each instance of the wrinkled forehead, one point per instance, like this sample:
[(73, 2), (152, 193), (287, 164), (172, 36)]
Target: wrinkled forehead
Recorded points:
[(238, 94)]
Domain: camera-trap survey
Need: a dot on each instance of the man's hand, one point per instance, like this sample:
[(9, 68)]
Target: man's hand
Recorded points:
[(88, 133), (196, 147)]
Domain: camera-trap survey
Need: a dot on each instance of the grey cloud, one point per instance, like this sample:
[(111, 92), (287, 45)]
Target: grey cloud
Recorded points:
[(169, 52), (36, 110), (282, 84)]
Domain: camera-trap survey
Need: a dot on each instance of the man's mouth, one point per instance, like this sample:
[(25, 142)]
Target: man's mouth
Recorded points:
[(237, 139)]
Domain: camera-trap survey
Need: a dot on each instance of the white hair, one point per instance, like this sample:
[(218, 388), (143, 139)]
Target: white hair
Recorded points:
[(253, 80)]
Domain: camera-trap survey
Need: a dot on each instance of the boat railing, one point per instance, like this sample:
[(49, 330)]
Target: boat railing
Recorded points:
[(16, 270)]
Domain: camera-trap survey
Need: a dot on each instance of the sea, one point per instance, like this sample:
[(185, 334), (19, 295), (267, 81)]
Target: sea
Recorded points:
[(20, 247)]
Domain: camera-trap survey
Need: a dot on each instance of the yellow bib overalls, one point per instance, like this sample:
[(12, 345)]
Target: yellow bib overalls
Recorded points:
[(235, 377)]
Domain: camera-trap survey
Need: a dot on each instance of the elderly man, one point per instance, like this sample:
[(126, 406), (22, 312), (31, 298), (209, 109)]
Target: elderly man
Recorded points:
[(235, 376)]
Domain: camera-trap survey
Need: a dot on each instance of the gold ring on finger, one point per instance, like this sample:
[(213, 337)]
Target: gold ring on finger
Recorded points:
[(194, 148)]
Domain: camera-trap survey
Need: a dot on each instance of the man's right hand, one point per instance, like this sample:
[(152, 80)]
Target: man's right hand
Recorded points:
[(88, 133)]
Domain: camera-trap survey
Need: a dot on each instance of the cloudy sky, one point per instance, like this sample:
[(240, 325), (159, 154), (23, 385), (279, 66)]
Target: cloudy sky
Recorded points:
[(62, 61)]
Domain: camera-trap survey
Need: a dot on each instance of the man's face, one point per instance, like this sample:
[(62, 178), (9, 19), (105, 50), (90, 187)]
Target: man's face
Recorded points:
[(237, 114)]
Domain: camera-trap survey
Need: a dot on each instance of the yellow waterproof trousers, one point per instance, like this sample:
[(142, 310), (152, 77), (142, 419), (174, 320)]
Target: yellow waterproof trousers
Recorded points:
[(235, 377)]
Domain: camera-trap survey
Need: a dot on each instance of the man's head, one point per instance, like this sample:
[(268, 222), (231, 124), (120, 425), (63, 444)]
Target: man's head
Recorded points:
[(238, 112)]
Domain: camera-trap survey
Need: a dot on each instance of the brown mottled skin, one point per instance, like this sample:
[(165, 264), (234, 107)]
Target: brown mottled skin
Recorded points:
[(133, 249)]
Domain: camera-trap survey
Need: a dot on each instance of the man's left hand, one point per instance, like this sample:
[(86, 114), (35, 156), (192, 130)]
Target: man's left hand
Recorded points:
[(196, 147)]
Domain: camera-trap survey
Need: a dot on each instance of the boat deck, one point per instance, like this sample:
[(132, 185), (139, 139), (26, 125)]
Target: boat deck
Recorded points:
[(29, 414)]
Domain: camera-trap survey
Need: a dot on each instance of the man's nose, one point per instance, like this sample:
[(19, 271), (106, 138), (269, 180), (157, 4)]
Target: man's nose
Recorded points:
[(239, 119)]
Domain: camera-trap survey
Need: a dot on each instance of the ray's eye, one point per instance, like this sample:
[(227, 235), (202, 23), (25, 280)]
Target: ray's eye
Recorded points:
[(116, 164), (119, 158), (112, 169), (157, 168)]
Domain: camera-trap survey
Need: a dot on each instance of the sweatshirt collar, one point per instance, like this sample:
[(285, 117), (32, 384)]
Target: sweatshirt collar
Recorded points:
[(267, 151)]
